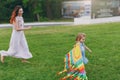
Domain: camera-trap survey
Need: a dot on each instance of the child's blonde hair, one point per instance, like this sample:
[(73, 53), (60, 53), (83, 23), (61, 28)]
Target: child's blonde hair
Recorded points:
[(80, 36)]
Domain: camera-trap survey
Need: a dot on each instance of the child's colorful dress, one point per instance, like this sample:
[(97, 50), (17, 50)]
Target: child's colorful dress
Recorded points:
[(82, 46)]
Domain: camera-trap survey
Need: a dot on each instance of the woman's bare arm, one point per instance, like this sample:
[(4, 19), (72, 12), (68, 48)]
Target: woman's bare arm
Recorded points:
[(17, 28)]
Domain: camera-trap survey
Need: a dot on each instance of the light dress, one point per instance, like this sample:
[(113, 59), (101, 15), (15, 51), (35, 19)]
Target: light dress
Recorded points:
[(18, 46)]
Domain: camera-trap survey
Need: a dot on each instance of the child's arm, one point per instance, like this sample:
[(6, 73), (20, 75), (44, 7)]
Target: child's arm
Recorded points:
[(88, 49)]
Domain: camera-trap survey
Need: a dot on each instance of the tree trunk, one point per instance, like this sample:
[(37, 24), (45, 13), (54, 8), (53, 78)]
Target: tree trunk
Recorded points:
[(38, 17), (48, 7)]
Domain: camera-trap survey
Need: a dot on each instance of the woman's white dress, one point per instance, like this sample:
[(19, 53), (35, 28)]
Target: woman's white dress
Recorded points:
[(18, 46)]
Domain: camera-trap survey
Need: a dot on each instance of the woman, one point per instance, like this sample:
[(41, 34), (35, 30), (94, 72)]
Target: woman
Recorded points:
[(18, 47)]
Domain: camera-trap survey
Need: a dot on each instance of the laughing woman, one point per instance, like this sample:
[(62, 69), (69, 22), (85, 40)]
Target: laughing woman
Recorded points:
[(18, 46)]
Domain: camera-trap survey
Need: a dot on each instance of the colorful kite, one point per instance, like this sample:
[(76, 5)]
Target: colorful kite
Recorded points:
[(74, 65)]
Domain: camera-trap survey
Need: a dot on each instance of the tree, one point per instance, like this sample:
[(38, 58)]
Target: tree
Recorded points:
[(35, 7), (34, 10), (5, 7), (53, 8)]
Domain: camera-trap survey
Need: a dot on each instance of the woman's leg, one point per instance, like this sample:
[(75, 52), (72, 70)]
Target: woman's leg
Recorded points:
[(25, 61), (2, 58)]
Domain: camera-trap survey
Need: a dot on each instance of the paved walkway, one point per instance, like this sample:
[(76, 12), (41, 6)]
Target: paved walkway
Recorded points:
[(40, 24), (87, 20)]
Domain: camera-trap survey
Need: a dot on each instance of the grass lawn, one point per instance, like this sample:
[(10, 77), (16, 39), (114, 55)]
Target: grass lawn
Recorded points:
[(49, 45)]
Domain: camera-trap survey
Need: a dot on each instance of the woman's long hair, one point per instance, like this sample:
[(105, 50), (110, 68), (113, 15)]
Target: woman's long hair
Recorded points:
[(14, 14)]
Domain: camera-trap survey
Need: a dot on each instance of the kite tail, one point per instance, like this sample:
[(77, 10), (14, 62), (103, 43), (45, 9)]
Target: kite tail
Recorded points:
[(65, 70), (61, 72)]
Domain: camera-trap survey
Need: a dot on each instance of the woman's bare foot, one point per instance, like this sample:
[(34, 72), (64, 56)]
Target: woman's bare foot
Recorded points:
[(25, 61), (2, 59)]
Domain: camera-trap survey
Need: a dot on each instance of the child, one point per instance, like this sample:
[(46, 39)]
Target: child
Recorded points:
[(75, 60), (81, 39)]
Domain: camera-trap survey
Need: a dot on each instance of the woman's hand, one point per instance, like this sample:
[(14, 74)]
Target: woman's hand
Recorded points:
[(29, 27)]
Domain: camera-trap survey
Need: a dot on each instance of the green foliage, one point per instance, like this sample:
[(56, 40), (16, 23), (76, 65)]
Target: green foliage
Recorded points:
[(44, 19), (50, 44), (35, 9)]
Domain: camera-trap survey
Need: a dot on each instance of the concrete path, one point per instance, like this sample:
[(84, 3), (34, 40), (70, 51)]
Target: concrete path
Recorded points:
[(88, 20), (40, 24)]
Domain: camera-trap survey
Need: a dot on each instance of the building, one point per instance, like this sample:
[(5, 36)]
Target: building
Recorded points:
[(105, 8), (101, 11), (92, 8), (76, 8)]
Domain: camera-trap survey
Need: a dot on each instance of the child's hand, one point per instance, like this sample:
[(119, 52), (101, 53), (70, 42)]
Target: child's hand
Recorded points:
[(90, 51)]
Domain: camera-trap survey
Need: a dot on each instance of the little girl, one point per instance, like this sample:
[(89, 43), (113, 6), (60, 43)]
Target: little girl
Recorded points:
[(75, 59), (81, 39)]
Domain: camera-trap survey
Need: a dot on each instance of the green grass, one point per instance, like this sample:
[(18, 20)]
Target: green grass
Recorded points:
[(49, 45)]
